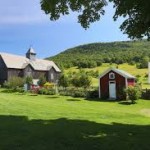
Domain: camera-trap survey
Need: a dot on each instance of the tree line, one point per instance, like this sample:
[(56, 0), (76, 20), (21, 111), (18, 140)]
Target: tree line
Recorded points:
[(93, 55)]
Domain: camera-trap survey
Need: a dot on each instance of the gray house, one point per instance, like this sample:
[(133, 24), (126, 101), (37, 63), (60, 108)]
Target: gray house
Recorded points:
[(14, 65)]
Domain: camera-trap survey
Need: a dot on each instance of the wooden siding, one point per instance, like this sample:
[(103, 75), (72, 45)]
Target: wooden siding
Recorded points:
[(52, 75), (14, 73), (104, 85), (7, 73), (29, 71), (3, 71), (131, 82)]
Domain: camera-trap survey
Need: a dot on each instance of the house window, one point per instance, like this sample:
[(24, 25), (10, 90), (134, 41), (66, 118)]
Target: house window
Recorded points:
[(52, 76), (111, 75), (29, 73)]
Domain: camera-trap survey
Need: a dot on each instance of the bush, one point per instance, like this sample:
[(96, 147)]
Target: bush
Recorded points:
[(42, 81), (133, 93), (48, 85), (20, 90), (85, 80), (146, 94), (66, 91), (63, 81), (46, 91), (81, 80), (14, 83), (79, 93), (92, 94), (29, 80), (72, 92)]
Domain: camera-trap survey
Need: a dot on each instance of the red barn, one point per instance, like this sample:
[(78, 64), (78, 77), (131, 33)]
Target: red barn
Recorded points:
[(112, 83)]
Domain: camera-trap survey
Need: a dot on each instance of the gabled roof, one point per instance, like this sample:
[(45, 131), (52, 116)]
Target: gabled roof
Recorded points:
[(121, 72), (20, 62)]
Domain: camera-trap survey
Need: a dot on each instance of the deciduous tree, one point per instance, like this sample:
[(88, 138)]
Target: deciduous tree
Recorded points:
[(136, 13)]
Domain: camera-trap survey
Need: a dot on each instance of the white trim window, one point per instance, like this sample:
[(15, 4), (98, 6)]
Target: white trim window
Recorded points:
[(111, 75), (52, 76)]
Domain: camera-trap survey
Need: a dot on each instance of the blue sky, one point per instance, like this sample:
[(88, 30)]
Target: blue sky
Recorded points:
[(24, 24)]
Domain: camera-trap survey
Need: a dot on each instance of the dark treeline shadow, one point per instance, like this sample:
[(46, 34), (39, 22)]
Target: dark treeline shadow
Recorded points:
[(20, 133)]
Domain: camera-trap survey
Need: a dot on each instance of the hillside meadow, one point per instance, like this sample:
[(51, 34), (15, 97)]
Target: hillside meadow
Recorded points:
[(126, 67), (31, 122)]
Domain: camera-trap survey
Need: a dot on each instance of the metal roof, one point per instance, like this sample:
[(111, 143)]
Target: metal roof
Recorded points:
[(20, 62), (121, 72)]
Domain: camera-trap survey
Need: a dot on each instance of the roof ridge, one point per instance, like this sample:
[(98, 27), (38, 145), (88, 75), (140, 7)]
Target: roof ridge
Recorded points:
[(4, 53), (119, 71), (19, 62)]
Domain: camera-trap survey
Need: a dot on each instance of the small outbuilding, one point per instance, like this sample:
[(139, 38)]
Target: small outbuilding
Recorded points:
[(112, 83)]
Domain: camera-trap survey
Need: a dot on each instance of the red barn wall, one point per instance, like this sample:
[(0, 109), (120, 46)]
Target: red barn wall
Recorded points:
[(131, 82), (104, 85)]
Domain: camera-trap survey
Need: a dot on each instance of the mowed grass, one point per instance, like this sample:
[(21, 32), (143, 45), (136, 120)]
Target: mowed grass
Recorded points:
[(126, 67), (29, 122)]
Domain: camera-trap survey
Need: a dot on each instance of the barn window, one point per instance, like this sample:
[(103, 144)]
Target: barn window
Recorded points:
[(111, 75), (52, 76)]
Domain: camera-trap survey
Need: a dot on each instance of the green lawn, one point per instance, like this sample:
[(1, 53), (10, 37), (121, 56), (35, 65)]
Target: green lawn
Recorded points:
[(29, 122)]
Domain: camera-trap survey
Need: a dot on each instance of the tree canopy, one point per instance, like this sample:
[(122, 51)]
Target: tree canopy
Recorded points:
[(135, 12), (94, 54)]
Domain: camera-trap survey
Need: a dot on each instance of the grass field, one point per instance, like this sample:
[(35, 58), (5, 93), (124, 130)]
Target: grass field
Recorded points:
[(129, 68), (29, 122)]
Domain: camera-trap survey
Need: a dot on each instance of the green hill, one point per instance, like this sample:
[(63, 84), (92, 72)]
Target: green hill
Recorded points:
[(92, 55)]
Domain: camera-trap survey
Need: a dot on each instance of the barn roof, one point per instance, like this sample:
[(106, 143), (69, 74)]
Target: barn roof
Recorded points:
[(20, 62), (121, 72)]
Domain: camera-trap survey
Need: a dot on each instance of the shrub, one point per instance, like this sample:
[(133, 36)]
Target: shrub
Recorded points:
[(29, 80), (46, 91), (63, 81), (146, 94), (35, 90), (20, 90), (48, 85), (85, 80), (92, 94), (66, 91), (73, 92), (14, 83), (75, 81), (42, 81), (133, 93), (79, 93), (81, 80)]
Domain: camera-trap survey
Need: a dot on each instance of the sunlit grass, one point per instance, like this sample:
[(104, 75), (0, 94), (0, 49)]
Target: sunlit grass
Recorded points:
[(29, 122), (126, 67)]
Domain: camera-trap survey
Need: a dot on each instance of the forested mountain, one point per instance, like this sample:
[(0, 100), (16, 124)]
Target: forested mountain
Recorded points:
[(92, 55)]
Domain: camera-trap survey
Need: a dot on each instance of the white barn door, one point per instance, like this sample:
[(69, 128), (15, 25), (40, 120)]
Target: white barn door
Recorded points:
[(112, 90)]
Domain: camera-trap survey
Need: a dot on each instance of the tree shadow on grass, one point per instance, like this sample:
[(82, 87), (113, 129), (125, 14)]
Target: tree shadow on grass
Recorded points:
[(125, 103), (73, 100), (20, 133), (51, 96), (101, 100), (7, 91), (33, 94)]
